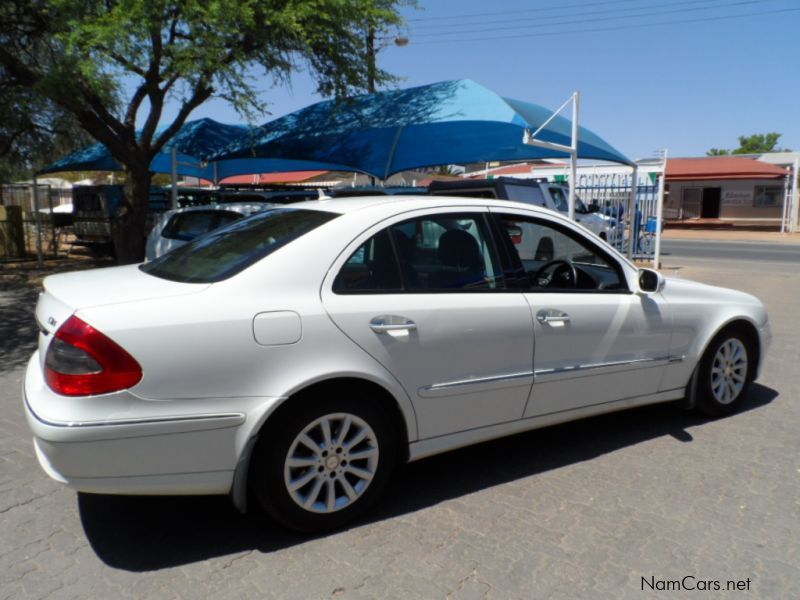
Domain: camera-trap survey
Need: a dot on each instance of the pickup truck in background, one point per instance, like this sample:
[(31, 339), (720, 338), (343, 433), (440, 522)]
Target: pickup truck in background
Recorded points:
[(530, 191)]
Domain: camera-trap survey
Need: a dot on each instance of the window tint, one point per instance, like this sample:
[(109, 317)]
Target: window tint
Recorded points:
[(433, 253), (548, 254), (525, 193), (227, 251), (88, 203), (372, 267), (189, 225)]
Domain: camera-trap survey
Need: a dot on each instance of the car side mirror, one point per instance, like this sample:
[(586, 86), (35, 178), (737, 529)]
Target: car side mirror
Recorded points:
[(650, 281), (593, 208)]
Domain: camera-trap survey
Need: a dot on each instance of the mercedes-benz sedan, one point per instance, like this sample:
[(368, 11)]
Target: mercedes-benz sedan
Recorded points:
[(304, 352)]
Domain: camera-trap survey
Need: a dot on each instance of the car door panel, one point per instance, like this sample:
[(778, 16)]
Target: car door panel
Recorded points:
[(595, 341), (460, 368), (614, 346), (464, 356)]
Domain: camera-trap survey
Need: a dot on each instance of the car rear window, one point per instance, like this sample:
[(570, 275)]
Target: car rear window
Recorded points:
[(229, 250), (189, 225)]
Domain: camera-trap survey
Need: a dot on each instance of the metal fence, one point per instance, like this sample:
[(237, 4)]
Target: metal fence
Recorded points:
[(637, 232), (44, 228)]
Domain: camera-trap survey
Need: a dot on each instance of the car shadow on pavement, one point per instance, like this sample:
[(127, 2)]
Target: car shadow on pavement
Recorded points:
[(18, 331), (138, 533)]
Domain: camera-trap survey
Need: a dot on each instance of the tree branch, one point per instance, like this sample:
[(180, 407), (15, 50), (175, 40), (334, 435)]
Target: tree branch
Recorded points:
[(133, 106), (202, 92)]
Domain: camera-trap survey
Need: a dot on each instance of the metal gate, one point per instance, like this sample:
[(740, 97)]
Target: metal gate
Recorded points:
[(638, 220), (45, 230)]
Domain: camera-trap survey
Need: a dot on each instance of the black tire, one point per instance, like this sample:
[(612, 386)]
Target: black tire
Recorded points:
[(280, 436), (712, 399)]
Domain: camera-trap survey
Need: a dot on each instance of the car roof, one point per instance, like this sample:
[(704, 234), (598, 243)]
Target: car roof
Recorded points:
[(396, 204)]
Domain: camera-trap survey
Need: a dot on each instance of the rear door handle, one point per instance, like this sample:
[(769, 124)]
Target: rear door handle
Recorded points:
[(392, 323), (544, 316)]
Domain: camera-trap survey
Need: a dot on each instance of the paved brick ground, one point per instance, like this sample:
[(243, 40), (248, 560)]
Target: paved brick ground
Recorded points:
[(583, 510)]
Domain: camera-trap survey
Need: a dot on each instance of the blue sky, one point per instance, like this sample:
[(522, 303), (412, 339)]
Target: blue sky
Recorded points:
[(695, 83)]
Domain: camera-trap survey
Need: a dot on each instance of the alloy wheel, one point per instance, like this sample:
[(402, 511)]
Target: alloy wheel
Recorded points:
[(729, 371), (331, 463)]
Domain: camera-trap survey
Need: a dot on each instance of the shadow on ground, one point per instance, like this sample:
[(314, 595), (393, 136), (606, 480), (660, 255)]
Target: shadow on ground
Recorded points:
[(148, 533), (18, 329), (20, 284)]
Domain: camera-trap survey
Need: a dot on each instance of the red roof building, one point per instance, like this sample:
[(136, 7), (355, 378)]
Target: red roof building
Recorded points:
[(728, 188), (721, 167)]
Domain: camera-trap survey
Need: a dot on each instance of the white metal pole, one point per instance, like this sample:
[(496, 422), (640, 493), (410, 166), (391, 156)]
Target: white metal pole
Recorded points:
[(37, 216), (785, 207), (631, 217), (174, 180), (793, 216), (573, 157), (659, 213)]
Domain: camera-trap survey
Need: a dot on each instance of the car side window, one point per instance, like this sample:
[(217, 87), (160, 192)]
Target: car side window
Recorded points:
[(435, 253), (556, 259), (372, 267)]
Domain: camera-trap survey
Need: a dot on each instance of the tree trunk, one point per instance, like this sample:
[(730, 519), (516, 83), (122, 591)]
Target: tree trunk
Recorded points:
[(128, 224)]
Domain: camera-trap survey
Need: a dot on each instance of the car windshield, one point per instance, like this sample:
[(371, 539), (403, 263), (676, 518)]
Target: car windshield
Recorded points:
[(229, 250)]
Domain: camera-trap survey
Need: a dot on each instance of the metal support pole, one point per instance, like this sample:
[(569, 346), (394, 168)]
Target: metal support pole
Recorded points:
[(785, 208), (631, 217), (659, 213), (216, 174), (173, 192), (794, 205), (40, 256), (573, 157)]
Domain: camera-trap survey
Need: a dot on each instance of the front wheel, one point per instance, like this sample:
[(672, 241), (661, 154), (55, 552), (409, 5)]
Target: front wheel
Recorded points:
[(324, 463), (726, 371)]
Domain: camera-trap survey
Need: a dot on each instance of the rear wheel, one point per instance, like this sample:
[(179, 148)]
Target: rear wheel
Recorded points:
[(324, 463), (726, 372)]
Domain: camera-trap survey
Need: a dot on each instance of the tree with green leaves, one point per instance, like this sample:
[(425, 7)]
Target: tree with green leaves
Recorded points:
[(114, 64), (758, 143), (33, 132)]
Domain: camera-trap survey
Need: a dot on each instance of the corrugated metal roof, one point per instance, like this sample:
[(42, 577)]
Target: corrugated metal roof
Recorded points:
[(266, 178), (721, 167)]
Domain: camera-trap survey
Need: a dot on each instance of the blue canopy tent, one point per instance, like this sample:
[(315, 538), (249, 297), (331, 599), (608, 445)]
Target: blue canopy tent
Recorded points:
[(192, 145), (450, 122)]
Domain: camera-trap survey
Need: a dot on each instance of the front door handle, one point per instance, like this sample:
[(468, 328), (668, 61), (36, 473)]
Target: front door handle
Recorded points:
[(392, 323), (545, 316)]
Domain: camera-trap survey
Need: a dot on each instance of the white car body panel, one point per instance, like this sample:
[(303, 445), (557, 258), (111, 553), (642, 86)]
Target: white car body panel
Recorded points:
[(219, 358)]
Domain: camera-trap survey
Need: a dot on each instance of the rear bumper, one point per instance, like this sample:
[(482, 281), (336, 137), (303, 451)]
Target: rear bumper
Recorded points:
[(146, 448)]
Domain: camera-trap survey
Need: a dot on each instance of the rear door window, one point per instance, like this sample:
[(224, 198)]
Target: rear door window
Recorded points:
[(435, 253)]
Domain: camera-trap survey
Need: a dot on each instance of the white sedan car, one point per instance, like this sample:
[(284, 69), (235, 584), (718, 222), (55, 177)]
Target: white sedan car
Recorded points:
[(304, 352)]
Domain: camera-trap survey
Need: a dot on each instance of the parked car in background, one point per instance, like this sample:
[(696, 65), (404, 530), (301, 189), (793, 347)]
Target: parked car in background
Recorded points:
[(530, 191), (393, 190), (303, 352), (176, 227)]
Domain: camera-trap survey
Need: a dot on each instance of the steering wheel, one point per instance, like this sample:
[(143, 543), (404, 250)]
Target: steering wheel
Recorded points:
[(563, 275)]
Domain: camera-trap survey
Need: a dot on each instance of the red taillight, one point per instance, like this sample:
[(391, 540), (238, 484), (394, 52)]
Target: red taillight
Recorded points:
[(81, 361)]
